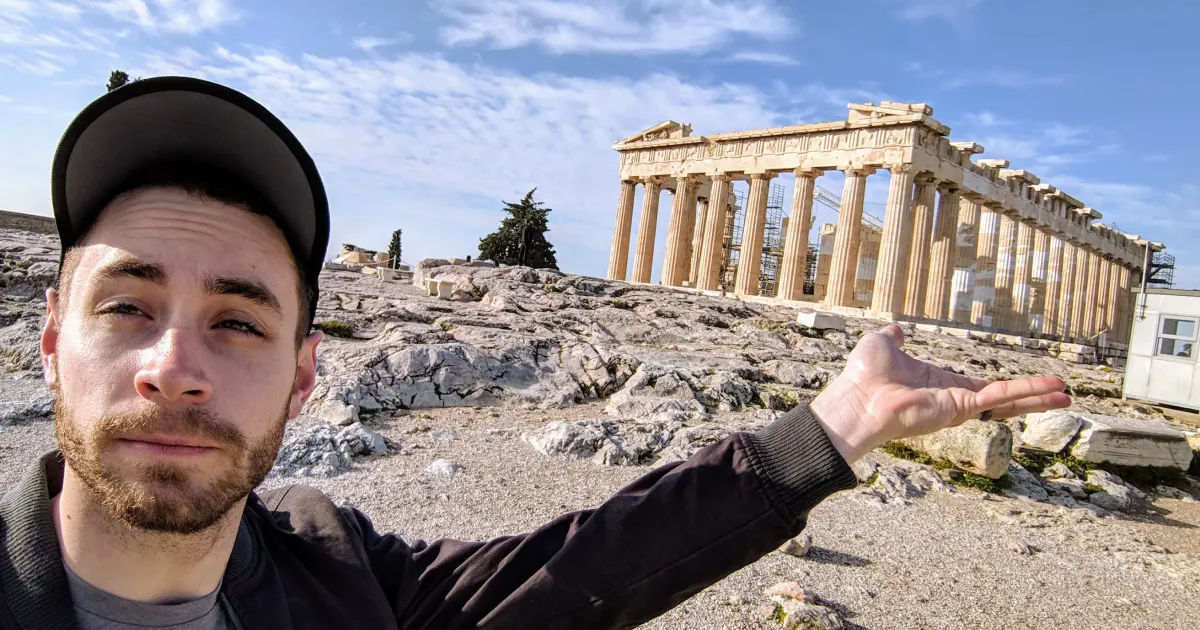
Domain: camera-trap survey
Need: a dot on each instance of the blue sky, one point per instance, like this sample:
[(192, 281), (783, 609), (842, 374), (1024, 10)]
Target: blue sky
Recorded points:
[(425, 114)]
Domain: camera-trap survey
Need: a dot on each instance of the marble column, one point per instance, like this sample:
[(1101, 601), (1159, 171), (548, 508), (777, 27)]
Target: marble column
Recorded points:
[(1066, 301), (714, 234), (983, 303), (869, 241), (842, 268), (1093, 295), (966, 249), (750, 259), (618, 256), (678, 255), (1102, 293), (1006, 263), (1125, 309), (643, 258), (1054, 277), (891, 269), (826, 237), (795, 248), (916, 286), (1022, 281), (698, 239), (942, 251), (1079, 297), (1039, 269), (1114, 300)]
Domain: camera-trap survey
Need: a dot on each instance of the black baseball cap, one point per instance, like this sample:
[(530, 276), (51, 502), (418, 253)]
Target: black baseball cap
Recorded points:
[(182, 119)]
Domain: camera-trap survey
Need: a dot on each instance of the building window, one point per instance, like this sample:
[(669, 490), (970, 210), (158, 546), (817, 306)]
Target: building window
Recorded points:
[(1177, 337)]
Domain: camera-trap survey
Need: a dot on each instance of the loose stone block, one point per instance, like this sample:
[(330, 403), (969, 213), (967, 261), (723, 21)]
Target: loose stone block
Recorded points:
[(1126, 442), (1051, 431), (984, 448), (1193, 438), (978, 335), (820, 320), (1012, 340)]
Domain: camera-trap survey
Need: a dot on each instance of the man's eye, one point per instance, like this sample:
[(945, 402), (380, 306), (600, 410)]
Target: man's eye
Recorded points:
[(238, 325), (121, 309)]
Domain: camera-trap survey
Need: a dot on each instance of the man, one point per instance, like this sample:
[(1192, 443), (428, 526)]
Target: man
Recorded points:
[(178, 347)]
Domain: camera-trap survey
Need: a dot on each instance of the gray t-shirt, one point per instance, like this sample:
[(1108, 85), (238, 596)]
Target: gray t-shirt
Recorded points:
[(99, 610)]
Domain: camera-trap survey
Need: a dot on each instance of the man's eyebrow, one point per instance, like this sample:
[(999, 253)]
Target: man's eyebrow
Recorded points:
[(252, 290), (131, 269)]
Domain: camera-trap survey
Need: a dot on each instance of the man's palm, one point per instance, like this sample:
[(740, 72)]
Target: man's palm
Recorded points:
[(891, 395)]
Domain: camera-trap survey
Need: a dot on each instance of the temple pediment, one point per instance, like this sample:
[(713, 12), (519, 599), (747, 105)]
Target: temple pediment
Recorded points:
[(661, 131)]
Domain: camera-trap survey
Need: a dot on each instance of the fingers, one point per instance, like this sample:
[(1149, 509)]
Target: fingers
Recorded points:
[(1003, 396), (1035, 404), (894, 333), (966, 382)]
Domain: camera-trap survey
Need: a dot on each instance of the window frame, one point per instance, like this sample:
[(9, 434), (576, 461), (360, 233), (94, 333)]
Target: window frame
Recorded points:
[(1194, 338)]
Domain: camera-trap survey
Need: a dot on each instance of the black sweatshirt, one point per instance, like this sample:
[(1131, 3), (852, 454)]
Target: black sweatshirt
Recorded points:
[(300, 561)]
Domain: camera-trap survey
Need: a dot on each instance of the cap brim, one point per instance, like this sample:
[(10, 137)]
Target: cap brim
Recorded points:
[(181, 118)]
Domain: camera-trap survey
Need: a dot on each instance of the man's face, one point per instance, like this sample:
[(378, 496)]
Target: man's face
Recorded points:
[(173, 357)]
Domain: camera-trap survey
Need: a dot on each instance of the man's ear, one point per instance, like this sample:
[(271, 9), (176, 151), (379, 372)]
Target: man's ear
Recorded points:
[(306, 373), (49, 343)]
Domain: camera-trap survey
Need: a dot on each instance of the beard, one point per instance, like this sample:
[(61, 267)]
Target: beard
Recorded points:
[(161, 496)]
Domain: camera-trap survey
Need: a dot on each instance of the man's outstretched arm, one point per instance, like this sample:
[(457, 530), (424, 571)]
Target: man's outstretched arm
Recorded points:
[(685, 526)]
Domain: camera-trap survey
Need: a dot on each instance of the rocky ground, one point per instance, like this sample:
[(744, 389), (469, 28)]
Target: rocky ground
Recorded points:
[(532, 393)]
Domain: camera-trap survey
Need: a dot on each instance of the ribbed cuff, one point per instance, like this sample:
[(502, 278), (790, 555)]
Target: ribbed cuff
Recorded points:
[(797, 463)]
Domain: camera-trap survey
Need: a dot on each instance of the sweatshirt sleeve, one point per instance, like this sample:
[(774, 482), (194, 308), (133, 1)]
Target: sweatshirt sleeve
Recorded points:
[(653, 544)]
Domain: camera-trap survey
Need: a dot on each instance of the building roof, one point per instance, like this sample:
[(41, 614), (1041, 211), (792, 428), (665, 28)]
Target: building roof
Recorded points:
[(1183, 292)]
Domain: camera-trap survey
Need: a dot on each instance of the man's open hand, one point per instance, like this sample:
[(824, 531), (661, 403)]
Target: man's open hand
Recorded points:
[(884, 394)]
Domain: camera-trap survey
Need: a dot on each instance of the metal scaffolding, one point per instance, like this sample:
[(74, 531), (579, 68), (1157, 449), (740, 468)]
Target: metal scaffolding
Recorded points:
[(1162, 271), (773, 239)]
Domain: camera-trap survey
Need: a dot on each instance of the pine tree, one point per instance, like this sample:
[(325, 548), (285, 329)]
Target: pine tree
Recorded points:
[(521, 238), (116, 79), (394, 250)]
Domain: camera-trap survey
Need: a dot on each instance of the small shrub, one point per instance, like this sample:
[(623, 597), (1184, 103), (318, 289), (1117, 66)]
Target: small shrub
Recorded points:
[(335, 328), (446, 326), (778, 615), (979, 482), (554, 288), (1077, 466), (1033, 463), (622, 304), (1092, 488), (478, 293), (903, 451)]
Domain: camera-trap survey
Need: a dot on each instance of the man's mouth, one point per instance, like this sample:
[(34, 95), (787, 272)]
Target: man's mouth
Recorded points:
[(170, 445)]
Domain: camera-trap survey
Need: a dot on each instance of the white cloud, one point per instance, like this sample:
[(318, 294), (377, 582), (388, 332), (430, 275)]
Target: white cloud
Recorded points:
[(953, 12), (984, 119), (425, 143), (170, 16), (369, 44), (769, 58), (4, 98), (43, 38), (612, 26)]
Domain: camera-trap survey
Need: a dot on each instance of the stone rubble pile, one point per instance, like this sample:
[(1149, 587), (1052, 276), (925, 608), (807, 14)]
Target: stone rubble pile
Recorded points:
[(323, 450), (1107, 439), (612, 443), (798, 608)]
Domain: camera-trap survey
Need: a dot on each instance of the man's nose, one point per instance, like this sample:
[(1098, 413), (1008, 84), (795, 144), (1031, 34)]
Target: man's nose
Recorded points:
[(172, 372)]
